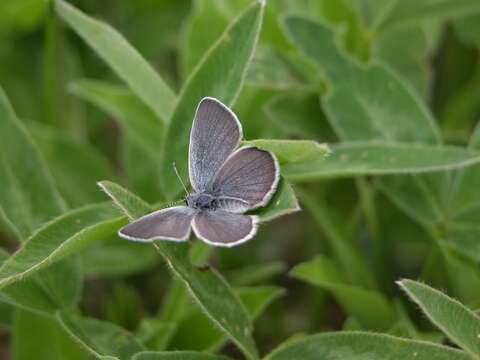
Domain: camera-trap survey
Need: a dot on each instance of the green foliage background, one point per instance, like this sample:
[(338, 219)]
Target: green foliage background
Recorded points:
[(371, 108)]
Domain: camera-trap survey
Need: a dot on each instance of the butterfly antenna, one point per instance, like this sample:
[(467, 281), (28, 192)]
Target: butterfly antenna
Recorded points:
[(179, 178)]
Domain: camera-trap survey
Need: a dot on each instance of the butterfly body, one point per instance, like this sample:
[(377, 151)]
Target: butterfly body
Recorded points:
[(202, 201), (226, 183)]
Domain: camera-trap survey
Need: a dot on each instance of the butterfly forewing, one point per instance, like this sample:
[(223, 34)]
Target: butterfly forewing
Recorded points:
[(249, 174), (171, 224), (215, 133), (223, 228)]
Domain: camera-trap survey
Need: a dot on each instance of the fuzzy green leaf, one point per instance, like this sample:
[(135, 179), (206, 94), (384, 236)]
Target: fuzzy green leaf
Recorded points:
[(362, 346), (122, 58), (455, 320), (28, 196), (100, 338), (206, 285), (219, 74), (61, 237)]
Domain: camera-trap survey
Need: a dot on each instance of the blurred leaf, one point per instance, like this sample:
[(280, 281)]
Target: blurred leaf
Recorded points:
[(156, 334), (369, 307), (176, 355), (117, 258), (270, 69), (28, 196), (362, 346), (468, 29), (406, 51), (22, 15), (406, 12), (42, 338), (127, 63), (205, 24), (61, 237), (253, 274), (298, 116), (458, 322), (379, 158), (219, 74), (207, 287), (76, 166), (100, 338), (142, 130), (195, 331), (345, 253)]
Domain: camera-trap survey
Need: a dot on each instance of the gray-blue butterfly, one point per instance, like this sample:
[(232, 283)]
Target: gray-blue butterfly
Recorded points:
[(225, 182)]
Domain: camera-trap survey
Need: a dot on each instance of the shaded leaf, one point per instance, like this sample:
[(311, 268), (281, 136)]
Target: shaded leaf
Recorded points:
[(122, 58), (176, 355)]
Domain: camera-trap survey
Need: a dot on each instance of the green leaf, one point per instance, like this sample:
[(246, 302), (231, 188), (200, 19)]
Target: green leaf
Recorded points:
[(345, 253), (76, 166), (362, 346), (28, 196), (353, 106), (254, 274), (455, 320), (127, 63), (62, 236), (100, 338), (205, 23), (380, 158), (206, 285), (283, 202), (408, 12), (42, 338), (142, 131), (219, 74), (369, 307), (292, 151), (196, 333), (176, 355)]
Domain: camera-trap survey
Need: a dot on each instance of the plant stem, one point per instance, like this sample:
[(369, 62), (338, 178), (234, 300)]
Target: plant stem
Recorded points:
[(49, 66)]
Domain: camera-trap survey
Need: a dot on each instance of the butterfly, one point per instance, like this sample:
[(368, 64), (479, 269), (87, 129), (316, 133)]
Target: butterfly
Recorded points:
[(225, 183)]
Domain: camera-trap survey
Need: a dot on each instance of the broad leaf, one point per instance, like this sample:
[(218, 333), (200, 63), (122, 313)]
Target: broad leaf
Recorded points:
[(63, 236), (122, 58), (206, 285), (28, 196), (100, 338), (369, 307), (219, 74), (455, 320), (362, 346), (283, 202)]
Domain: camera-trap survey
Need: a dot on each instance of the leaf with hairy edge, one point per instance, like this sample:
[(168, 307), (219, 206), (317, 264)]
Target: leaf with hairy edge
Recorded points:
[(455, 320), (220, 75), (206, 285), (28, 196), (363, 346), (127, 63), (100, 338), (62, 236)]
